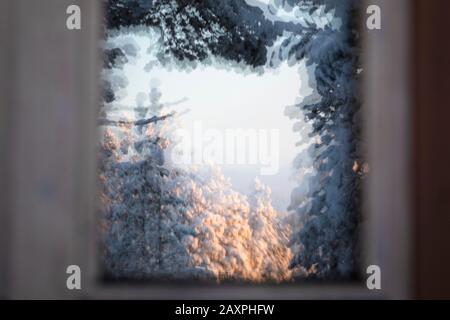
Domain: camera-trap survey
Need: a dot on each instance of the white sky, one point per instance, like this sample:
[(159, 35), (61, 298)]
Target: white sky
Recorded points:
[(226, 99)]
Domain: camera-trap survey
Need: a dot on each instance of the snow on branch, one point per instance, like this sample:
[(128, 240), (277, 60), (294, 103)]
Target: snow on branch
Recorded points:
[(140, 122)]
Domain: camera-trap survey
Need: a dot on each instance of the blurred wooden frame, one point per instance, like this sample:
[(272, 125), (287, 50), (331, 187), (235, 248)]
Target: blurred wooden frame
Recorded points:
[(49, 90)]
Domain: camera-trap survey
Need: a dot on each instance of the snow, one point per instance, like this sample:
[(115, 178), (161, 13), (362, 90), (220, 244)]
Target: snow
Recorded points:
[(274, 12)]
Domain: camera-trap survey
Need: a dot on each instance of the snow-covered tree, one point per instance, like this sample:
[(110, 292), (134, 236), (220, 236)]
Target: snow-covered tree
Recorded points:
[(330, 211)]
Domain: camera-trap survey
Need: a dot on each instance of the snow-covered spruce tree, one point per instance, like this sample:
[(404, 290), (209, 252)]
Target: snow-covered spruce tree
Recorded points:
[(330, 210), (131, 173)]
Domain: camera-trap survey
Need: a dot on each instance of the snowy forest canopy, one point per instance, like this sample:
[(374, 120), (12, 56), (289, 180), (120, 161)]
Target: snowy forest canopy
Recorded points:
[(164, 221)]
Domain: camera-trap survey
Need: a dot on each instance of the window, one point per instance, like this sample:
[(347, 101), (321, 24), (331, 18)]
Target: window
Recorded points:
[(57, 193), (231, 142)]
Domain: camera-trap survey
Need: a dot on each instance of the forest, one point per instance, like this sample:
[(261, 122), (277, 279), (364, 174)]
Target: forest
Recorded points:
[(163, 221)]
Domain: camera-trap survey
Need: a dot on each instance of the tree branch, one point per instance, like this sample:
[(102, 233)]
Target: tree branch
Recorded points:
[(141, 122)]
